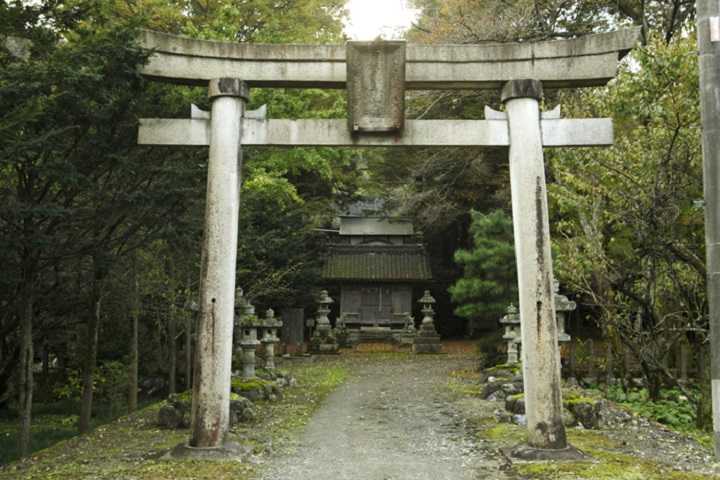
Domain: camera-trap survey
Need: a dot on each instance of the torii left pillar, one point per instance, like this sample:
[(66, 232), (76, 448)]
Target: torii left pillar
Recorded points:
[(211, 386)]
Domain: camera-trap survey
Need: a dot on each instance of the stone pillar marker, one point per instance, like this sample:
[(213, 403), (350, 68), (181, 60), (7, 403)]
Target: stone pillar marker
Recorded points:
[(211, 386), (540, 353)]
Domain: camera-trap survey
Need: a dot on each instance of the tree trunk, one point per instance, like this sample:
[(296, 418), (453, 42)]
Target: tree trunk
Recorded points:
[(134, 355), (704, 408), (592, 372), (26, 374), (91, 345), (684, 357), (172, 353), (654, 382), (188, 349), (609, 367)]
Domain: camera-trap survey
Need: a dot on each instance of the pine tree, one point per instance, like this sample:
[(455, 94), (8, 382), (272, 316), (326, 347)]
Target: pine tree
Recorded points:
[(489, 282)]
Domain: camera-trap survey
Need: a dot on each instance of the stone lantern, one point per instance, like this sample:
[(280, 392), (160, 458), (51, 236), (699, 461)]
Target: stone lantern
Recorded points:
[(270, 337), (249, 325), (563, 306), (427, 339), (237, 322), (511, 322), (323, 340)]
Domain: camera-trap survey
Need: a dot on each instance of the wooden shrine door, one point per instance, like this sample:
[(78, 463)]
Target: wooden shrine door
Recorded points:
[(375, 305)]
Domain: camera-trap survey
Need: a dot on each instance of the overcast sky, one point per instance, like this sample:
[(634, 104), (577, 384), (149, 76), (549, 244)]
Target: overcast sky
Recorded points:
[(370, 18)]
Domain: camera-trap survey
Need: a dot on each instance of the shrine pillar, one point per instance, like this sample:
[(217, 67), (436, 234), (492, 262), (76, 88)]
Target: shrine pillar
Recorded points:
[(540, 353), (211, 386)]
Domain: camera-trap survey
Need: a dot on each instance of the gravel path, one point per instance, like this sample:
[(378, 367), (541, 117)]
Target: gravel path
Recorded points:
[(388, 422)]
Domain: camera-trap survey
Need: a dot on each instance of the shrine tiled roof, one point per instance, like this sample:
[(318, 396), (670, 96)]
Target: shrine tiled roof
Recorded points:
[(377, 263)]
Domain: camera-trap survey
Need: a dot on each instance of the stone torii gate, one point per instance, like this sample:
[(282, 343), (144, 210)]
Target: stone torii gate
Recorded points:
[(376, 75)]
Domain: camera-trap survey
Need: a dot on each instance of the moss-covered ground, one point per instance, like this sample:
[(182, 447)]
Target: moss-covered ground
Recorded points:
[(608, 458), (131, 447)]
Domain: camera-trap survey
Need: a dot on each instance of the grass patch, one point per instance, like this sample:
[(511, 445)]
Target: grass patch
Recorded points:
[(672, 408), (605, 466), (504, 434), (606, 463), (465, 383), (513, 368), (51, 423), (130, 447), (466, 374), (460, 388)]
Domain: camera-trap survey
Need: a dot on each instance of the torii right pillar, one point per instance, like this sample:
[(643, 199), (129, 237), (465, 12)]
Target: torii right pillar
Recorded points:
[(540, 352)]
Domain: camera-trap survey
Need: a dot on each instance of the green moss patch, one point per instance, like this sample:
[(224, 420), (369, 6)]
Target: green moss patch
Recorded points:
[(131, 447), (575, 396), (505, 434), (604, 466), (241, 385)]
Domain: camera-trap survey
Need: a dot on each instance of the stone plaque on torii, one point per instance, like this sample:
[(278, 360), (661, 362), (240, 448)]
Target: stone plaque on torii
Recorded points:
[(376, 75)]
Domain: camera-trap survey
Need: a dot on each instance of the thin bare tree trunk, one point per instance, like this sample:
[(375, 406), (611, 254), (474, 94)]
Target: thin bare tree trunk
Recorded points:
[(93, 327), (134, 355), (592, 373), (188, 349), (609, 367), (26, 374), (172, 334), (704, 408)]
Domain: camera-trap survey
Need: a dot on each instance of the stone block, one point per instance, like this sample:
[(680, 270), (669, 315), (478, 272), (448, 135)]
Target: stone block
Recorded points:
[(427, 347), (171, 417), (376, 86)]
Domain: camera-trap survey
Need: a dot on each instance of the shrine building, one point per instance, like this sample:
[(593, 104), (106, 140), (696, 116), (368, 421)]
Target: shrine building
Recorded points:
[(380, 266)]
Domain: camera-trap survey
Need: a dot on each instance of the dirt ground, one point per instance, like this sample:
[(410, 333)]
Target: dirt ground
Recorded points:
[(412, 417), (390, 421), (373, 416)]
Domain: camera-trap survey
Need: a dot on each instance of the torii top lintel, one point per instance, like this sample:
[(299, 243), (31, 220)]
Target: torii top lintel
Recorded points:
[(590, 60)]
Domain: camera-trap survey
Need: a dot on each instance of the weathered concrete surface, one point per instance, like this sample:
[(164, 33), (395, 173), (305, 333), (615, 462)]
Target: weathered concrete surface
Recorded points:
[(392, 421), (589, 60), (211, 385), (710, 111), (540, 352), (448, 133)]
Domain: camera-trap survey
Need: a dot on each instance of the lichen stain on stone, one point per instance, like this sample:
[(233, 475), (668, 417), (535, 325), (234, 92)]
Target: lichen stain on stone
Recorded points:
[(539, 226), (540, 246), (213, 319), (553, 435)]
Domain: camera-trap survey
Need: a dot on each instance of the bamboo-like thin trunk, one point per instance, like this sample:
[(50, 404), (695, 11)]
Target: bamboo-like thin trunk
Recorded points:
[(172, 351), (26, 375), (134, 355), (93, 327), (188, 349)]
